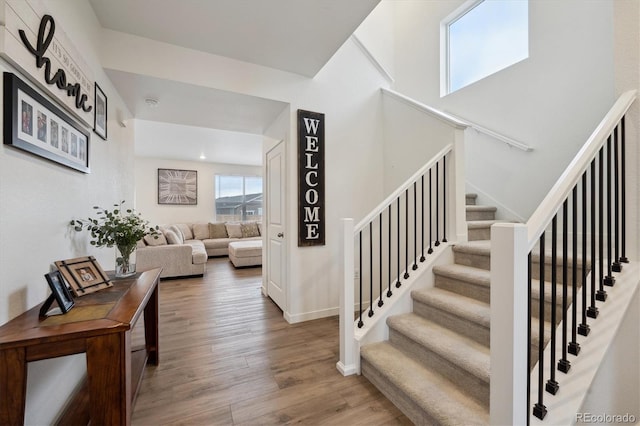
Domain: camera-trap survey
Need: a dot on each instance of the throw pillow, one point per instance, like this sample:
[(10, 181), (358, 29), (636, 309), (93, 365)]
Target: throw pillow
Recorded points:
[(171, 236), (151, 240), (178, 233), (218, 230), (249, 229), (201, 231), (234, 230), (186, 231)]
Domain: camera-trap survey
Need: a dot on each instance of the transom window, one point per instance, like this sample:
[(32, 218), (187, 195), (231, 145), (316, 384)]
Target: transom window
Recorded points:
[(238, 198), (482, 38)]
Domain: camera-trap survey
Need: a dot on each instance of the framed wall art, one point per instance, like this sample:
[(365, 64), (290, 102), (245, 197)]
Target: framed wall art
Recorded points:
[(177, 187), (35, 125), (100, 113), (84, 275)]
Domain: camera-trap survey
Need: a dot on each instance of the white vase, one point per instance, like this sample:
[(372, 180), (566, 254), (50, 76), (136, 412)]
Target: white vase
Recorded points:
[(125, 262)]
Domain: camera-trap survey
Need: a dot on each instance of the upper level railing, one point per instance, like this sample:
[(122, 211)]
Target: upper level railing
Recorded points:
[(538, 278), (390, 243)]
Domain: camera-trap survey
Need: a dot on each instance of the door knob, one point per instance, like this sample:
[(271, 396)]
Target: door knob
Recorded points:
[(280, 234)]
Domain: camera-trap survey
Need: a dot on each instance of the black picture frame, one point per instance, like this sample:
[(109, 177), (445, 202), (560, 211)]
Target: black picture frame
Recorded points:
[(35, 125), (100, 113), (59, 291), (178, 187)]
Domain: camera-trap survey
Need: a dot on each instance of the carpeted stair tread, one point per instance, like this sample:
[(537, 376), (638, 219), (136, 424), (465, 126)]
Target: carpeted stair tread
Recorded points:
[(461, 306), (468, 274), (471, 198), (482, 278), (482, 247), (465, 280), (463, 352), (476, 208), (535, 292), (467, 308), (477, 224), (437, 397)]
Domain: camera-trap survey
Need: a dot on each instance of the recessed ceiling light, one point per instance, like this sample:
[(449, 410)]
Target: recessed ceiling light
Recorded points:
[(202, 157), (151, 102)]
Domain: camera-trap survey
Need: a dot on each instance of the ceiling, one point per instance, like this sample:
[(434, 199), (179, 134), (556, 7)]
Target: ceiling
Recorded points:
[(297, 36)]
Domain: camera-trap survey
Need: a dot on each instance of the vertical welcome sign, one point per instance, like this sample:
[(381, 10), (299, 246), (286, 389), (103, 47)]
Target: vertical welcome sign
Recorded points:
[(311, 227)]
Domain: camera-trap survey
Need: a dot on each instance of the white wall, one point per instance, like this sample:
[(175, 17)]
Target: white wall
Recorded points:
[(551, 101), (39, 198), (146, 175), (377, 32), (409, 130)]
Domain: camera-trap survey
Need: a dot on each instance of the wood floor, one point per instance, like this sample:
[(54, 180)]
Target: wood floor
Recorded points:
[(227, 357)]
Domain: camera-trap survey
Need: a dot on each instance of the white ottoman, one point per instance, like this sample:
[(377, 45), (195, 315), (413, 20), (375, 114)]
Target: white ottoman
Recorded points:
[(246, 253)]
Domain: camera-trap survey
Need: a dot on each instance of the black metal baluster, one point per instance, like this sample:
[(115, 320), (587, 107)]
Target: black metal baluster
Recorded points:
[(389, 292), (609, 280), (528, 360), (583, 327), (415, 226), (406, 233), (564, 364), (616, 266), (370, 269), (552, 385), (601, 294), (422, 209), (623, 189), (360, 323), (444, 199), (398, 283), (430, 215), (574, 347), (380, 301), (592, 312), (437, 243), (539, 409)]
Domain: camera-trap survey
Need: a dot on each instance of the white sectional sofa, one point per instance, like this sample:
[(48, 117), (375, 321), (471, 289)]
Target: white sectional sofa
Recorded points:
[(182, 249)]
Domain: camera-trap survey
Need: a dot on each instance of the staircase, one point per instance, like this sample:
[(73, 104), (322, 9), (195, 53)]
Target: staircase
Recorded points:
[(435, 366)]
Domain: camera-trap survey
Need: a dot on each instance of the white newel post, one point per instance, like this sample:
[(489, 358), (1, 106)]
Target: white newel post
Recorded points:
[(347, 364), (509, 364)]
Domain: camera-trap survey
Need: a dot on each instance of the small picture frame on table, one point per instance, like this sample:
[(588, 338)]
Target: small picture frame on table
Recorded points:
[(84, 274), (59, 293)]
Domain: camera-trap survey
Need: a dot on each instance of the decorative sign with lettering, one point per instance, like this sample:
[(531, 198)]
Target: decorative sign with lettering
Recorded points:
[(30, 41), (311, 229)]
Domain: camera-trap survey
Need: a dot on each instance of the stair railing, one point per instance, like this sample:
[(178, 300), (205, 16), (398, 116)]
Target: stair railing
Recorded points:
[(389, 244), (584, 213)]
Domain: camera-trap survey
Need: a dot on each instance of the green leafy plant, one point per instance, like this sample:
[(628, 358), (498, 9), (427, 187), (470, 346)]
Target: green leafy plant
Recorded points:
[(116, 227)]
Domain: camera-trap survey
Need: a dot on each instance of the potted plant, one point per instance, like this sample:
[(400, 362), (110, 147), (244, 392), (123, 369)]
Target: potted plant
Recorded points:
[(117, 228)]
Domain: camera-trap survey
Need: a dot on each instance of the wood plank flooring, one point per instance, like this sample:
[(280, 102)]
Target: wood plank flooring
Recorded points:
[(227, 357)]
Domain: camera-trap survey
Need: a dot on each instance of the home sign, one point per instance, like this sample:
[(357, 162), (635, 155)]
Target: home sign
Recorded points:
[(30, 41)]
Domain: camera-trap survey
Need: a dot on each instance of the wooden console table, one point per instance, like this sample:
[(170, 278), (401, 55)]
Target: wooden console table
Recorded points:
[(100, 324)]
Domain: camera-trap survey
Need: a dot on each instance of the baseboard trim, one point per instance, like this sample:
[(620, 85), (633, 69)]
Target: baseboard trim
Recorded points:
[(347, 370), (308, 316)]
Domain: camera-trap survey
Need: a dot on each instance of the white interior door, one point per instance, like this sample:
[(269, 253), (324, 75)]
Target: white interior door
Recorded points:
[(277, 249)]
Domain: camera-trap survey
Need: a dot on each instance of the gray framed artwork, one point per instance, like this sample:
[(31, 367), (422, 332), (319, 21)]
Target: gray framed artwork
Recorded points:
[(177, 187)]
